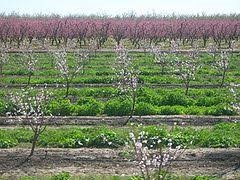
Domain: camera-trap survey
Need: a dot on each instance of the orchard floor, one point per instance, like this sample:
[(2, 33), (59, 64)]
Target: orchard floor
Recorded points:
[(224, 163)]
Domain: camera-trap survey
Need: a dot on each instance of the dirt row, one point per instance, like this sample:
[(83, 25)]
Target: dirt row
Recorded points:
[(181, 120), (85, 161)]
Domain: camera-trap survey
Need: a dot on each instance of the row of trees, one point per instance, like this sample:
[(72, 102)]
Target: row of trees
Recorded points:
[(185, 66), (59, 31)]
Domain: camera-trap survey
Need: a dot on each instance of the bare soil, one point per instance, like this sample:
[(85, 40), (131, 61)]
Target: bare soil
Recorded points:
[(224, 163)]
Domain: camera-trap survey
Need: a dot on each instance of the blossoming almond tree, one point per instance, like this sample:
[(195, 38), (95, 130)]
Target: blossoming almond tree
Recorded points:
[(82, 57), (4, 57), (158, 161), (29, 60), (212, 50), (31, 105), (127, 76), (222, 64), (160, 57), (67, 72), (186, 67), (174, 46)]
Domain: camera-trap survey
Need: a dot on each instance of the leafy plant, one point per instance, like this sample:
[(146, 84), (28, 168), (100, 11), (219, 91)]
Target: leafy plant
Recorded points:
[(61, 107), (144, 109), (62, 176), (118, 107)]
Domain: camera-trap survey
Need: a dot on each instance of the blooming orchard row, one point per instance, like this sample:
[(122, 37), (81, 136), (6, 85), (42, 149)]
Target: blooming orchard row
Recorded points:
[(184, 66), (60, 31)]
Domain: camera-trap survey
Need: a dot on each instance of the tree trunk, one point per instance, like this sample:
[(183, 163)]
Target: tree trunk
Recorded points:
[(133, 104), (34, 142), (1, 68), (187, 88), (67, 88), (223, 78), (29, 78), (162, 69)]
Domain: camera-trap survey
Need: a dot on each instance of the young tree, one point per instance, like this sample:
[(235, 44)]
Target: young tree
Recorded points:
[(212, 50), (30, 63), (194, 51), (127, 76), (92, 47), (154, 165), (4, 57), (174, 45), (186, 71), (222, 64), (31, 106), (82, 58), (161, 58), (67, 72), (186, 67), (119, 30)]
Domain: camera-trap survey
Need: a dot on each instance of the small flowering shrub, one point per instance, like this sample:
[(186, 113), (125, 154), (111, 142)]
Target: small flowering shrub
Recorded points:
[(183, 137), (159, 161), (154, 135), (107, 138)]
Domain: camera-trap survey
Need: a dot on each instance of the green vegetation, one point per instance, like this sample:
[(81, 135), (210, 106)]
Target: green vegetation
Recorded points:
[(158, 101), (99, 70), (109, 101), (222, 135)]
